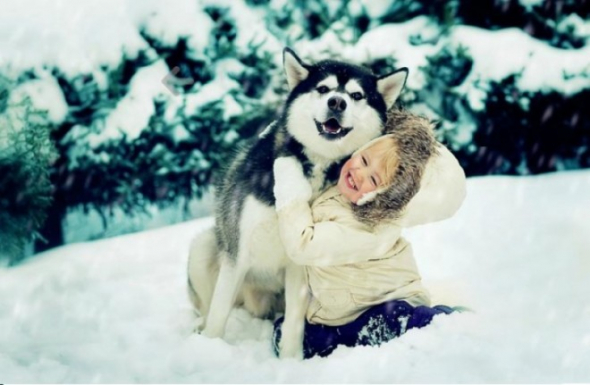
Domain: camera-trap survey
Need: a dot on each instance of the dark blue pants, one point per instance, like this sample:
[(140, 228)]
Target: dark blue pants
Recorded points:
[(375, 326)]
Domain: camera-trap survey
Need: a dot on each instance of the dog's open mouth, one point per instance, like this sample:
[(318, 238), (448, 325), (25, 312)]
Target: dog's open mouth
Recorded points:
[(331, 126), (331, 129)]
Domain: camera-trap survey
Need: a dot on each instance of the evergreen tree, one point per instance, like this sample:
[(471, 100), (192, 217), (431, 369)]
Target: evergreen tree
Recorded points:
[(547, 20), (26, 154), (174, 157)]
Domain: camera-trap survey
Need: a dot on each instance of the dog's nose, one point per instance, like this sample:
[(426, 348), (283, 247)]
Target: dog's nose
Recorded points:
[(336, 104)]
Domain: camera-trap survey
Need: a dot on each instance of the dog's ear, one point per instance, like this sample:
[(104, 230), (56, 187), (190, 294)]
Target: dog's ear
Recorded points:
[(390, 86), (294, 68)]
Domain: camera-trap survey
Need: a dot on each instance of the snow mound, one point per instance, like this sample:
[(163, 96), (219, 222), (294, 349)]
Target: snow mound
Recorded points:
[(517, 254)]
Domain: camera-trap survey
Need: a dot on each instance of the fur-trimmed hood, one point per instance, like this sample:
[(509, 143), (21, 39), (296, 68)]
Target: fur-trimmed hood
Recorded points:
[(429, 183)]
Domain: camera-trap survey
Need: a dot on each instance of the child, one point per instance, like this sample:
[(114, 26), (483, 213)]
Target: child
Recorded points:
[(364, 284)]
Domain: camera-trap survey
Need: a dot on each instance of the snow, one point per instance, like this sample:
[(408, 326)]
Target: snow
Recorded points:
[(40, 34), (516, 253), (134, 110), (250, 25), (388, 40), (80, 37), (576, 25), (169, 21), (41, 94), (179, 133), (393, 40), (45, 95), (530, 3), (218, 89), (376, 9), (498, 54)]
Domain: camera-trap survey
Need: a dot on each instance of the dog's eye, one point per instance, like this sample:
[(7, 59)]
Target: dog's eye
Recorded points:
[(356, 95), (323, 89)]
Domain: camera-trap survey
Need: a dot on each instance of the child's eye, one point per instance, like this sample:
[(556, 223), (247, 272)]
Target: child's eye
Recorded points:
[(323, 89), (374, 181), (356, 95), (364, 161)]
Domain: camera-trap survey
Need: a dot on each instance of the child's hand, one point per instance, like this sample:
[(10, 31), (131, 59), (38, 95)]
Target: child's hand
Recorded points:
[(291, 185)]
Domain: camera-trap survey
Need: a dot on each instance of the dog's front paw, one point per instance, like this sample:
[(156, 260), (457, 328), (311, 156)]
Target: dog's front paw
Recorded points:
[(291, 185), (298, 355), (199, 329), (291, 351), (200, 325), (212, 332)]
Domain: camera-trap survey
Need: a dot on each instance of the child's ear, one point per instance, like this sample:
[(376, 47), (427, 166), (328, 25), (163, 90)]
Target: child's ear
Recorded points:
[(295, 69), (390, 86)]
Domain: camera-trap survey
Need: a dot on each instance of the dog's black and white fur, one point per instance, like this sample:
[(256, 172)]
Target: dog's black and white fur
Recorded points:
[(333, 108)]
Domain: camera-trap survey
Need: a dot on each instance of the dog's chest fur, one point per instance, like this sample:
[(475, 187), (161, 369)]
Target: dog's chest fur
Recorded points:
[(317, 179), (322, 174)]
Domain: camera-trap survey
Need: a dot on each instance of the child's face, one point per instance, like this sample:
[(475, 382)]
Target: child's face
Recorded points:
[(362, 173)]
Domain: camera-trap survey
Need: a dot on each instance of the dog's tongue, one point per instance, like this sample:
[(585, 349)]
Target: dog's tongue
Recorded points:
[(331, 126)]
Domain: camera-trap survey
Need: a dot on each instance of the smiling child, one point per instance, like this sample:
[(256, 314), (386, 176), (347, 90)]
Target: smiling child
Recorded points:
[(364, 284)]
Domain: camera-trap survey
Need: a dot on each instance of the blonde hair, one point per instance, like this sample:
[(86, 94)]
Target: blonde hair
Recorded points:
[(386, 148)]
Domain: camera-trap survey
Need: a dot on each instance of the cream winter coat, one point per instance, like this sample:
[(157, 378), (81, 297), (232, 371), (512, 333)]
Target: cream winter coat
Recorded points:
[(351, 266)]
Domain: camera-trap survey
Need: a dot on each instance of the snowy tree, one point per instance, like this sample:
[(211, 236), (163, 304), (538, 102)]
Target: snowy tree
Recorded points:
[(107, 160), (558, 22), (26, 154)]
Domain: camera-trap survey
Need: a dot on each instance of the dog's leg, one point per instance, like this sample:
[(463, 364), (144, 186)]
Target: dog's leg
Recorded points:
[(296, 301), (259, 302), (203, 268), (229, 282)]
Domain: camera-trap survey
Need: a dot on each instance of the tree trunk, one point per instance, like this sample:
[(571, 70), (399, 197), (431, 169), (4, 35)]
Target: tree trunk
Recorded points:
[(52, 230)]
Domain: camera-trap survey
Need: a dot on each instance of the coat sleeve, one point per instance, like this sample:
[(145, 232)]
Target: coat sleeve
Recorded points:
[(330, 243)]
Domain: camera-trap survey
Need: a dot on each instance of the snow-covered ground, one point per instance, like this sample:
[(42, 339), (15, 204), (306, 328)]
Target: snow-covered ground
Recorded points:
[(517, 253)]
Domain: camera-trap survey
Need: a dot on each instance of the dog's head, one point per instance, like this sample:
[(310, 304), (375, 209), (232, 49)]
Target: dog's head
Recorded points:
[(336, 107)]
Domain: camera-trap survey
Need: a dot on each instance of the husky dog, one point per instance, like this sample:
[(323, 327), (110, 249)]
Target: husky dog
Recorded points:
[(332, 109)]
